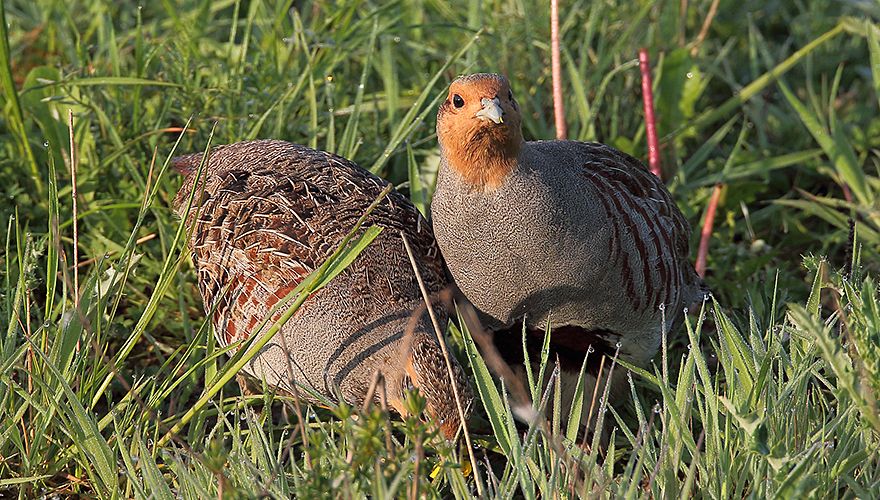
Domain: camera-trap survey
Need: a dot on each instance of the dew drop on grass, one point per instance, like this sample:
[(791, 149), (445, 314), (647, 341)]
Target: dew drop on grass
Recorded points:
[(690, 347), (45, 144), (106, 255), (590, 349), (657, 408), (662, 307), (685, 310), (397, 39), (689, 75), (618, 345)]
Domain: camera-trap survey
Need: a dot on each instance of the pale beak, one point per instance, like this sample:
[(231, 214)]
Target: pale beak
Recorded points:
[(491, 110)]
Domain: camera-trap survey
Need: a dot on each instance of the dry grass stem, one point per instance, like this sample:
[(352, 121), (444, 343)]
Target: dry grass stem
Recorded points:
[(704, 30), (440, 340)]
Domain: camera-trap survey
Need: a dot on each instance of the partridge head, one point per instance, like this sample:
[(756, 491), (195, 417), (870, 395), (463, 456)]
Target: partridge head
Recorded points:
[(479, 125)]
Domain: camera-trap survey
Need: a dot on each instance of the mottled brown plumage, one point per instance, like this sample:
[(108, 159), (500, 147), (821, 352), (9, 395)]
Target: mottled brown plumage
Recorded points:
[(268, 213), (572, 234)]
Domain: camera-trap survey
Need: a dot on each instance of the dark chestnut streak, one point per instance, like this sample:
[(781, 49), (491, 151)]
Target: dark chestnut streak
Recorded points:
[(567, 343)]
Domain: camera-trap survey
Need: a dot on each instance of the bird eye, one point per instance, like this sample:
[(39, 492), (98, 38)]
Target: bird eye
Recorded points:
[(457, 101)]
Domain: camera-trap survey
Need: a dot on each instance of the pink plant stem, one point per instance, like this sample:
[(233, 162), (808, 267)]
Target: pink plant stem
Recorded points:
[(706, 232), (650, 121), (847, 194), (556, 69)]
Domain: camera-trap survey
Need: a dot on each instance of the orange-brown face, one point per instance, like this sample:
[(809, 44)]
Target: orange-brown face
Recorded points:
[(479, 128)]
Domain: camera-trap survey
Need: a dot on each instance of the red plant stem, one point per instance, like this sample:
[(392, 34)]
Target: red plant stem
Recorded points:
[(706, 232), (556, 69), (847, 194), (650, 120)]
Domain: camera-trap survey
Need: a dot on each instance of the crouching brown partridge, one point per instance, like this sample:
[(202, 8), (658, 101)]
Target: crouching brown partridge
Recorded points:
[(574, 235), (267, 213)]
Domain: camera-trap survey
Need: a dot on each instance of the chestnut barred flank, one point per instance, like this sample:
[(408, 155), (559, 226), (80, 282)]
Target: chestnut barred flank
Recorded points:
[(268, 213)]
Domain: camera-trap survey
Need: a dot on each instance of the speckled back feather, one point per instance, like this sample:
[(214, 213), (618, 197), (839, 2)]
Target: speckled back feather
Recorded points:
[(272, 212), (266, 214)]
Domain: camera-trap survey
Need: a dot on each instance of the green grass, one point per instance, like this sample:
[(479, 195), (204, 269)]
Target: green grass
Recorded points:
[(770, 390)]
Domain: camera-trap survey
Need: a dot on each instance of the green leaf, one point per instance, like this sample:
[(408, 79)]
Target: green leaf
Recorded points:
[(416, 189), (760, 83), (577, 404), (158, 486), (85, 434), (113, 81), (815, 292), (15, 117), (348, 255), (416, 114), (835, 145), (489, 395), (874, 48)]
